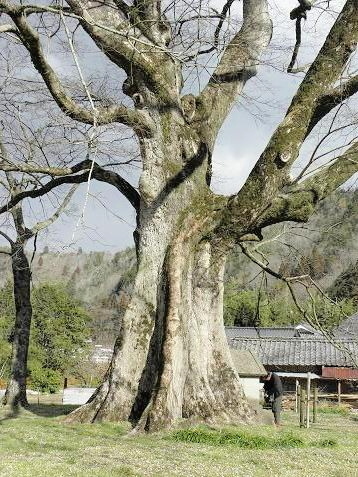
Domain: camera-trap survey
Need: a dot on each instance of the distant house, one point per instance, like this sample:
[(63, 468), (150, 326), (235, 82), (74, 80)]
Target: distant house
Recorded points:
[(101, 354), (250, 369), (299, 355), (317, 355), (300, 331)]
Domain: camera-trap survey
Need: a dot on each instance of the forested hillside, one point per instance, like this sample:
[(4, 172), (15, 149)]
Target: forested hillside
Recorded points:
[(326, 248)]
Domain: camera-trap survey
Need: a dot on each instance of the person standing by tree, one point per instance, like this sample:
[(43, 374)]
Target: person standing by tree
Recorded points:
[(273, 388)]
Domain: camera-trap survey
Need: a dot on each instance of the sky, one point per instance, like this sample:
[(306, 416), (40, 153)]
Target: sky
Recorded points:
[(101, 219)]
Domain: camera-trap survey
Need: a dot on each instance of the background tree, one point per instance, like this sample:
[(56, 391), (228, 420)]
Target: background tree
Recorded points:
[(60, 333), (40, 136), (17, 233), (182, 367), (60, 330)]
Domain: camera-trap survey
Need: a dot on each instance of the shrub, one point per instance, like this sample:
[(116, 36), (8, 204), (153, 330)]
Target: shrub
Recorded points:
[(45, 380), (327, 443)]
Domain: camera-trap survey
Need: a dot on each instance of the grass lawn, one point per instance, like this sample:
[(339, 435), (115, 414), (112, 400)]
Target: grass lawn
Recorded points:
[(38, 444)]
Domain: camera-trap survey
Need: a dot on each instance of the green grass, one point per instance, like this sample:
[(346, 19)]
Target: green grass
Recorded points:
[(38, 443), (246, 439)]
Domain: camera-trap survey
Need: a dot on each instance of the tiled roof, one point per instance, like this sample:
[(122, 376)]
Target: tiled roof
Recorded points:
[(252, 332), (299, 351), (247, 363), (268, 332)]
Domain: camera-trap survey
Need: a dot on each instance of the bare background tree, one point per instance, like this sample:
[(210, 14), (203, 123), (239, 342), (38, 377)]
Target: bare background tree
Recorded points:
[(35, 136), (171, 360)]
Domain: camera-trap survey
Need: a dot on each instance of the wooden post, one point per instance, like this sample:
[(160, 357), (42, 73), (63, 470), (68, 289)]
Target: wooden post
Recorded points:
[(302, 406), (308, 400), (339, 391), (315, 401), (297, 395)]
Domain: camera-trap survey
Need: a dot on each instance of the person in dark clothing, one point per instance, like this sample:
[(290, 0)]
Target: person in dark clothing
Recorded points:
[(274, 391)]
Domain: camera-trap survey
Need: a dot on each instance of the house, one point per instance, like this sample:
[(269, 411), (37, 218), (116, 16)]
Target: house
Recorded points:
[(250, 370), (299, 331), (332, 361), (101, 354)]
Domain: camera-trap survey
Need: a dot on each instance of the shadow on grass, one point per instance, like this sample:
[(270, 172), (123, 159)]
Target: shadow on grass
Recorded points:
[(41, 410), (51, 410)]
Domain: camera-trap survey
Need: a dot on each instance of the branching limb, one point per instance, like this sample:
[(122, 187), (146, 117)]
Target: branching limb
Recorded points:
[(66, 177), (271, 173), (138, 120), (331, 99), (7, 28), (135, 45), (299, 203), (238, 62), (148, 17), (46, 223), (324, 72)]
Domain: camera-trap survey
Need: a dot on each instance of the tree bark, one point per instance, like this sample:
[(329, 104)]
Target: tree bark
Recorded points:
[(15, 395), (171, 361)]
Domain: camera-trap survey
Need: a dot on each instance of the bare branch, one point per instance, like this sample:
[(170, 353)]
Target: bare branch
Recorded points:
[(297, 14), (222, 17), (66, 178), (246, 251), (312, 319), (11, 242), (44, 224), (238, 62), (118, 113)]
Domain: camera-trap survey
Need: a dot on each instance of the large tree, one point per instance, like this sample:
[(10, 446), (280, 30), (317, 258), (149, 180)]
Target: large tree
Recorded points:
[(171, 359)]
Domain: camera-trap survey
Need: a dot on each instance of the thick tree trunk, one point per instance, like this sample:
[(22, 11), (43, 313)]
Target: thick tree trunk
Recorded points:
[(171, 360), (15, 395), (171, 363), (196, 381)]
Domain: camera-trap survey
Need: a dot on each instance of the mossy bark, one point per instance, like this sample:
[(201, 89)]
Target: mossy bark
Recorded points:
[(171, 360)]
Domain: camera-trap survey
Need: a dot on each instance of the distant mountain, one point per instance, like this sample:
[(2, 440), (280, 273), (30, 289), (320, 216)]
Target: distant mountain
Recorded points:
[(100, 280)]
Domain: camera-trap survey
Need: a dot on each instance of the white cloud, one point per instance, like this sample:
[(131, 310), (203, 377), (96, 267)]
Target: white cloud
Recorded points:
[(230, 170)]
